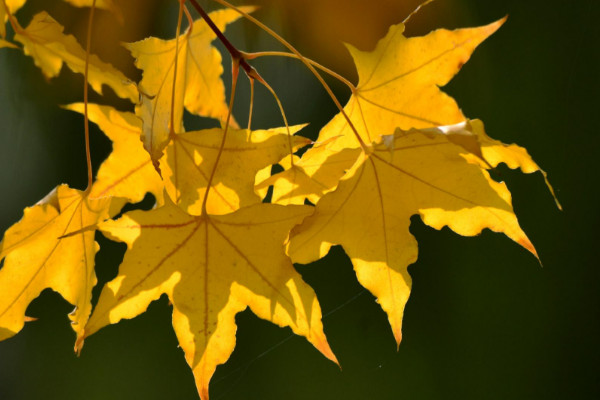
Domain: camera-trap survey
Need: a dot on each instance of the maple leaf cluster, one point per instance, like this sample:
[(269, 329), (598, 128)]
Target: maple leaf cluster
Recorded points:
[(213, 243)]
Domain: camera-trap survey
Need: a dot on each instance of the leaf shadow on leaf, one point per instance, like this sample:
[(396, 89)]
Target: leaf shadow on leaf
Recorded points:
[(369, 213), (425, 176), (191, 159), (51, 247), (306, 182), (191, 171), (211, 267)]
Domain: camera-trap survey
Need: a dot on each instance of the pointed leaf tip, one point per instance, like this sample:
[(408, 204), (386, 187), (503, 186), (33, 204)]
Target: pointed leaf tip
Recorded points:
[(36, 257), (237, 260)]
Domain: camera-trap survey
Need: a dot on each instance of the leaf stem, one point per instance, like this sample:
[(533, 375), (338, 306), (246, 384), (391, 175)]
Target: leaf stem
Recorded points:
[(416, 10), (233, 51), (251, 103), (13, 21), (172, 119), (301, 58), (85, 98), (252, 56), (190, 20), (235, 70), (239, 59), (285, 121)]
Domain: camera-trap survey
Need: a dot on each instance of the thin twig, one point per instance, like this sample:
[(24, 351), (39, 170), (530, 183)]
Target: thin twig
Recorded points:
[(252, 56), (235, 70), (172, 119), (85, 99), (302, 59), (251, 103)]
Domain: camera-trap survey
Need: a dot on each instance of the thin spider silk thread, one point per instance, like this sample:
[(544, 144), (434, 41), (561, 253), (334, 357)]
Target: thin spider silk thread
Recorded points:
[(245, 366)]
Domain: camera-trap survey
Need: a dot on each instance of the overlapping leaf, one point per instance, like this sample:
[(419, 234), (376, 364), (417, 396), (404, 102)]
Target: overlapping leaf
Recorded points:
[(398, 87), (399, 83), (198, 85), (5, 43), (190, 159), (212, 248), (211, 268), (13, 6), (310, 177), (495, 152), (41, 251), (49, 47), (127, 172), (471, 136), (369, 213)]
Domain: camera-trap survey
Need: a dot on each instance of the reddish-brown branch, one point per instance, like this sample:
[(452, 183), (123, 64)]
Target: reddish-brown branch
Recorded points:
[(231, 49), (304, 61)]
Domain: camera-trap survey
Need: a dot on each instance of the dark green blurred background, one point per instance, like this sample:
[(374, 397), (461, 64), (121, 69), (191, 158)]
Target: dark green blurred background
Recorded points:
[(484, 320)]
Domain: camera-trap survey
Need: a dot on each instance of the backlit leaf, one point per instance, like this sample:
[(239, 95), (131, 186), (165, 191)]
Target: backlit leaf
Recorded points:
[(211, 268), (369, 213), (13, 7), (190, 158), (316, 173), (4, 43), (398, 84), (37, 255), (127, 172), (471, 136), (398, 87), (49, 47), (198, 86)]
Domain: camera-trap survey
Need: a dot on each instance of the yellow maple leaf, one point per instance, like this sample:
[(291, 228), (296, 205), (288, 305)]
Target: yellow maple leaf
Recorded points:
[(211, 268), (398, 87), (369, 213), (399, 82), (13, 6), (4, 43), (495, 152), (37, 255), (127, 172), (49, 47), (190, 158), (198, 86), (310, 177), (471, 136)]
